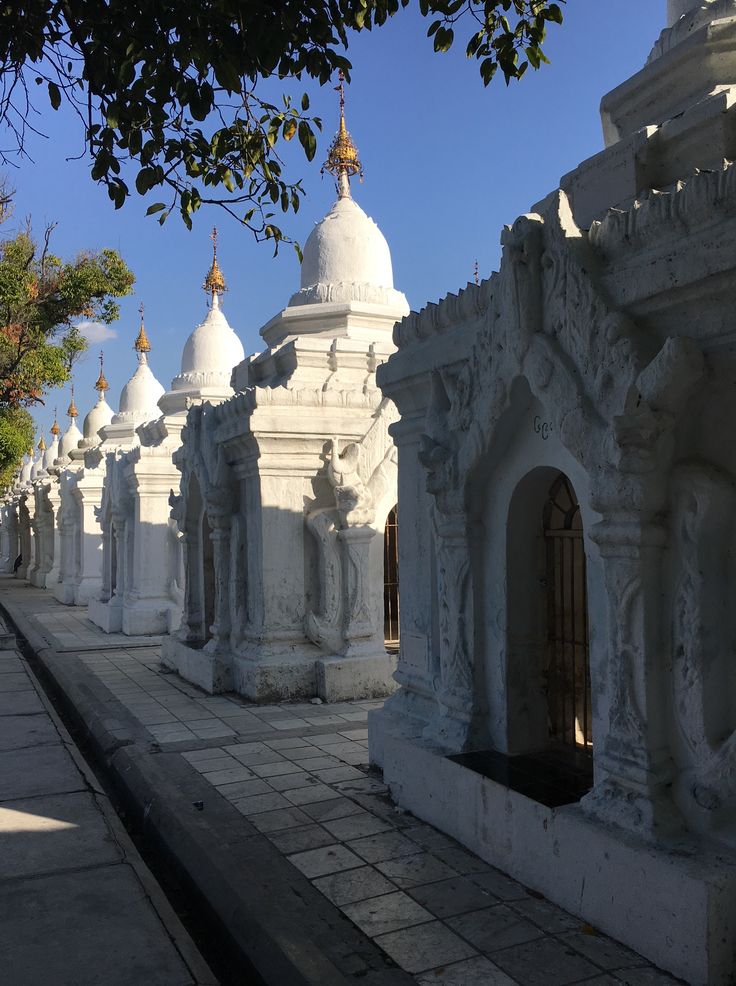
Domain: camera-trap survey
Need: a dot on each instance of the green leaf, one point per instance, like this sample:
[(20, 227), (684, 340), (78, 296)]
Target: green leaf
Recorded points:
[(307, 140), (156, 207)]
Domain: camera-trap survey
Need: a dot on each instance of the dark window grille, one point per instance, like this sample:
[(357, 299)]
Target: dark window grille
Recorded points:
[(568, 667), (391, 580)]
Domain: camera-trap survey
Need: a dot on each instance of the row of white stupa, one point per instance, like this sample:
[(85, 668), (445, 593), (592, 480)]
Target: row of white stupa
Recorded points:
[(269, 570)]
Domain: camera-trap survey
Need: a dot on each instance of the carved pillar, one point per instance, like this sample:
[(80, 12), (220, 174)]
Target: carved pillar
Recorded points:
[(453, 722), (358, 623), (631, 746), (220, 537), (52, 493)]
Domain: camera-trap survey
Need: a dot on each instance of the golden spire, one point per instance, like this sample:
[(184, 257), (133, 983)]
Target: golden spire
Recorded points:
[(214, 283), (102, 385), (72, 411), (476, 273), (30, 452), (342, 158), (142, 345), (55, 429), (42, 444)]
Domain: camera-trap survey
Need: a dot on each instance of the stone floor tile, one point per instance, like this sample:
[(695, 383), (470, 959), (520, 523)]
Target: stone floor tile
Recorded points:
[(290, 782), (211, 753), (320, 862), (216, 763), (291, 723), (646, 976), (412, 871), (379, 915), (429, 838), (337, 807), (356, 826), (257, 803), (425, 947), (449, 898), (545, 962), (364, 785), (308, 795), (333, 775), (360, 715), (472, 972), (244, 789), (353, 885), (325, 720), (299, 839), (257, 759), (38, 770), (290, 743), (309, 762), (242, 749), (386, 845), (500, 885), (168, 734), (280, 819), (326, 739), (494, 928), (547, 916), (14, 682), (355, 734), (21, 732), (273, 769), (603, 951), (212, 732), (228, 775), (155, 718), (462, 861), (356, 759), (20, 703)]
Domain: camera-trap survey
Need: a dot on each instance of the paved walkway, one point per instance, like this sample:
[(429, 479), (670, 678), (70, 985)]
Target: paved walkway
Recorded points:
[(298, 774), (77, 904)]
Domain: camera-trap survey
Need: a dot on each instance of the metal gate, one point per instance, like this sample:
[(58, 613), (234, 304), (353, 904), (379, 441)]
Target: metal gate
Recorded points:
[(391, 580), (568, 666)]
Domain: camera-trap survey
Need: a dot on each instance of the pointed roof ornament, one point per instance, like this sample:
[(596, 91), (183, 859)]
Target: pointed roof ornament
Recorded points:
[(214, 283), (55, 429), (41, 444), (142, 345), (29, 453), (476, 272), (72, 411), (342, 159), (102, 385)]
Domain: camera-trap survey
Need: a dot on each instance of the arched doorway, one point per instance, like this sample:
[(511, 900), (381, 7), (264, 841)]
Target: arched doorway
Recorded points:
[(391, 580), (568, 660)]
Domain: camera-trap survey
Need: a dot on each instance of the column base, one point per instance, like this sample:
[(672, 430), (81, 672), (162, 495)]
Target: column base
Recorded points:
[(107, 615), (210, 671), (86, 590), (64, 592), (343, 679), (144, 617)]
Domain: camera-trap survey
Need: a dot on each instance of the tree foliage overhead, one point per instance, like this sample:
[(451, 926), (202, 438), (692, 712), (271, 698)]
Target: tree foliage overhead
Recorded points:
[(41, 300), (17, 433), (167, 92)]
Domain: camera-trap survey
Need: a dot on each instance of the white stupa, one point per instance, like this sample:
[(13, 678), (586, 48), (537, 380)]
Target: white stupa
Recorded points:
[(210, 352), (100, 415), (71, 437), (51, 453), (347, 282), (140, 396), (37, 470), (26, 468)]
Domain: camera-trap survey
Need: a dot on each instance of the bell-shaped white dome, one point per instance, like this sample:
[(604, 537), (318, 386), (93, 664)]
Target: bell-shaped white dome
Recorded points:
[(69, 440), (25, 472), (140, 396), (36, 468), (50, 454), (346, 258), (98, 417), (210, 352)]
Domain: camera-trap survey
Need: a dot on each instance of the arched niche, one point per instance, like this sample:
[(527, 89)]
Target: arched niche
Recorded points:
[(507, 499), (391, 579)]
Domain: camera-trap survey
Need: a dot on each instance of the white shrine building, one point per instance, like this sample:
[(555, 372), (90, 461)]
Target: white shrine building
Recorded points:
[(288, 489), (567, 491), (142, 565)]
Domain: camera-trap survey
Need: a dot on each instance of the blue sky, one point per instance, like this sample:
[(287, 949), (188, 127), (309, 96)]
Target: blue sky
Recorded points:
[(447, 164)]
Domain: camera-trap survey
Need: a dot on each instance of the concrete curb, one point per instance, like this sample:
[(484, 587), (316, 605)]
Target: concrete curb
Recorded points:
[(288, 932)]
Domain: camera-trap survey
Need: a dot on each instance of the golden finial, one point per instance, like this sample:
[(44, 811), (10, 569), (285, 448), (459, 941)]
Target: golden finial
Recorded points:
[(42, 444), (102, 385), (30, 452), (476, 273), (342, 158), (142, 345), (55, 429), (72, 411), (214, 283)]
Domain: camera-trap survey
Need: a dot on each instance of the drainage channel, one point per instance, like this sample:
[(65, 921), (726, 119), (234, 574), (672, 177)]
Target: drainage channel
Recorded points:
[(216, 946)]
